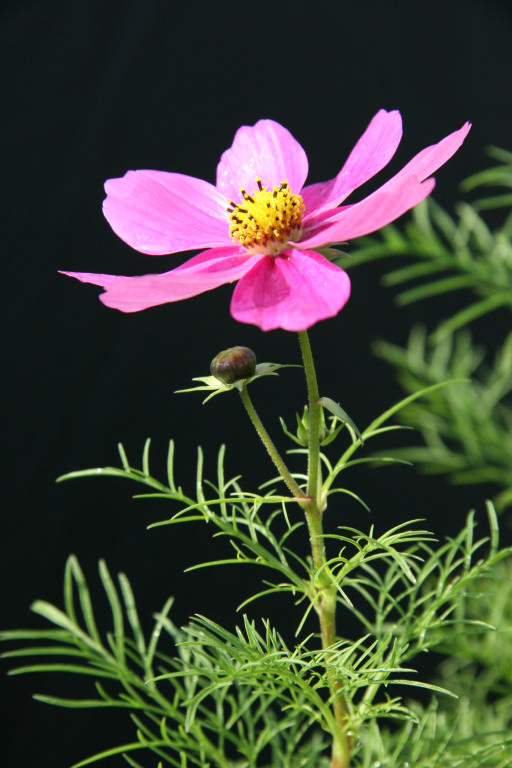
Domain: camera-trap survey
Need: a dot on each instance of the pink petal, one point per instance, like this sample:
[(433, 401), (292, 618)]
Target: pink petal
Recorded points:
[(265, 150), (292, 291), (431, 158), (157, 212), (370, 155), (375, 211), (405, 190), (203, 272)]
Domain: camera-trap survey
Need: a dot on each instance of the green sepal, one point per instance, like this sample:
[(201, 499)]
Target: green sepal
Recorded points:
[(215, 387)]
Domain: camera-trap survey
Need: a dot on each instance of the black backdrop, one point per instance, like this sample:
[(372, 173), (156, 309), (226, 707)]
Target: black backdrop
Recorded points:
[(94, 87)]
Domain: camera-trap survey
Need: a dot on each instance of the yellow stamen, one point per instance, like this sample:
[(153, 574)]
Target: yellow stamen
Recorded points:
[(265, 220)]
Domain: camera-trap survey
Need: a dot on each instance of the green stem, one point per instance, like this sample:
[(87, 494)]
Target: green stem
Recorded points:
[(315, 412), (271, 449), (326, 592)]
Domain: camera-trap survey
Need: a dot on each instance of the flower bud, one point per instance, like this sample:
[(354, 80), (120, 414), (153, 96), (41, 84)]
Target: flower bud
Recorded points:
[(233, 364)]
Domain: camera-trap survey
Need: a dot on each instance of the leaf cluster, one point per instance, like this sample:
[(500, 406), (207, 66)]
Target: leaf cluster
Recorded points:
[(202, 706), (260, 526), (467, 428), (221, 698), (475, 728)]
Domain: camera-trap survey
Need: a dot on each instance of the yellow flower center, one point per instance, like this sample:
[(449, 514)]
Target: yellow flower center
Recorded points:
[(265, 220)]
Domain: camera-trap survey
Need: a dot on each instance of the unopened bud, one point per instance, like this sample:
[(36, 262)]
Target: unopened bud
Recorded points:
[(233, 364)]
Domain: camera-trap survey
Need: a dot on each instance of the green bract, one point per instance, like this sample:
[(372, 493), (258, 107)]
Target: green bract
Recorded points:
[(215, 387)]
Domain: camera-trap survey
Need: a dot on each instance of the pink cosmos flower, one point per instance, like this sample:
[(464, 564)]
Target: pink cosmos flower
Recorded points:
[(260, 225)]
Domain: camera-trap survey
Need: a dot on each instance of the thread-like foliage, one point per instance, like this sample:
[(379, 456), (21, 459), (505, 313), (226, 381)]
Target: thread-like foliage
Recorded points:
[(211, 697)]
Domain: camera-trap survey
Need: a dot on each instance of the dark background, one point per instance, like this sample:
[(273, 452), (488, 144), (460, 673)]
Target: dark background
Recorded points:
[(92, 88)]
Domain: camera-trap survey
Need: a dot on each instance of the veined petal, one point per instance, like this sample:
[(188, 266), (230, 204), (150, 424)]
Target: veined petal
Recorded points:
[(370, 155), (426, 162), (203, 272), (378, 209), (158, 212), (265, 150), (292, 291), (403, 191)]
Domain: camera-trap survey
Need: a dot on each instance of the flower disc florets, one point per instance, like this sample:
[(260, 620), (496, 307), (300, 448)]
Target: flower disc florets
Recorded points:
[(264, 221)]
